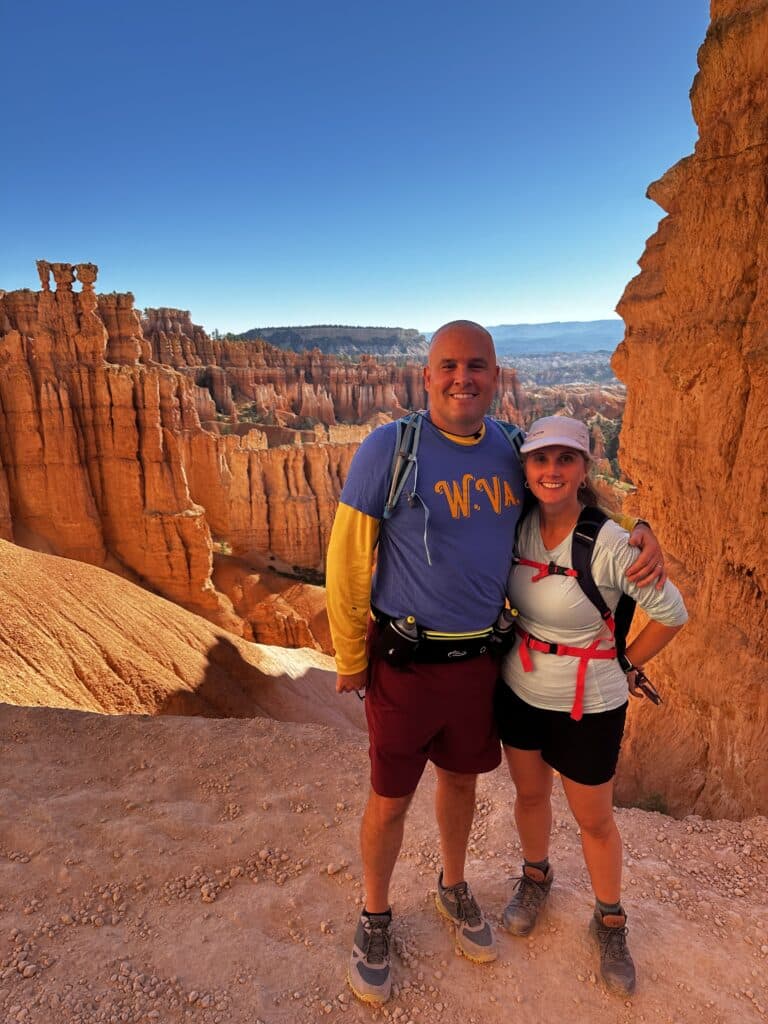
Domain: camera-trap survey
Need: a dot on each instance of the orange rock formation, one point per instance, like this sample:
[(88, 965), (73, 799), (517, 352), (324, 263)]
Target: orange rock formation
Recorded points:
[(289, 388), (103, 457), (695, 360)]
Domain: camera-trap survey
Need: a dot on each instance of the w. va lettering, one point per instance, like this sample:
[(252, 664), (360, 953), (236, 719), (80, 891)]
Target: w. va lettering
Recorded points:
[(459, 495)]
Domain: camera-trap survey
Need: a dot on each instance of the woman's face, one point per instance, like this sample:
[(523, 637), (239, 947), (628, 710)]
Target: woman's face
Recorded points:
[(554, 474)]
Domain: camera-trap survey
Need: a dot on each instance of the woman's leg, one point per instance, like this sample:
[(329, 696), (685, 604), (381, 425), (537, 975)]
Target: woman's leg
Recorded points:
[(592, 808), (532, 777)]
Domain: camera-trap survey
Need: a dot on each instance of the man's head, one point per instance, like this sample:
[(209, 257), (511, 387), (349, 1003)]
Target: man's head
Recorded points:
[(460, 376)]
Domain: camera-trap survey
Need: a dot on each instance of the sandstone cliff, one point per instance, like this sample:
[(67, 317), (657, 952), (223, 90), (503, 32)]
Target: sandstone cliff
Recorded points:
[(90, 447), (103, 457), (695, 361)]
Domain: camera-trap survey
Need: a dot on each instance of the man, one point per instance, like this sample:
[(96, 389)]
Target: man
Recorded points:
[(442, 560)]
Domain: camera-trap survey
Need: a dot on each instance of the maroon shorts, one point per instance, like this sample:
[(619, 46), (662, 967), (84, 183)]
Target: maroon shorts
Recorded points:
[(430, 712)]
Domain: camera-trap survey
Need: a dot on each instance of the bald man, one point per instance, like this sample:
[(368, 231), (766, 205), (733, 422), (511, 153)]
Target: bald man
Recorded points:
[(442, 561)]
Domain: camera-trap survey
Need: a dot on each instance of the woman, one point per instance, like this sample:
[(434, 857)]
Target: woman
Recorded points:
[(565, 712)]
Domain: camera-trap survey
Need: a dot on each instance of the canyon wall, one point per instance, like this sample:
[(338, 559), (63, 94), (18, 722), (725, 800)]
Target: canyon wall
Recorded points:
[(294, 389), (695, 361), (103, 457)]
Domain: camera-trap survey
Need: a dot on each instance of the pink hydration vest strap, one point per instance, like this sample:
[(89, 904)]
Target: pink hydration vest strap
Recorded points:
[(584, 654), (548, 569)]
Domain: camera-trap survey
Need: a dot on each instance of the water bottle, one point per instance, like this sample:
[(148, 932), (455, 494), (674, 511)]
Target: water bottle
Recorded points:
[(503, 632), (401, 638)]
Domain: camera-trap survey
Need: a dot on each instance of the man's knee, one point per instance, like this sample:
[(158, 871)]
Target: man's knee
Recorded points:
[(458, 782), (382, 811)]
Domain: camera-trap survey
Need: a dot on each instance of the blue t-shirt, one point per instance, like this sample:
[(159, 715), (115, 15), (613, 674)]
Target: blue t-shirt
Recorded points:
[(473, 497)]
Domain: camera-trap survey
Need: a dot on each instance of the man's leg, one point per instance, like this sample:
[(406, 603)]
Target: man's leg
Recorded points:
[(381, 836), (454, 810)]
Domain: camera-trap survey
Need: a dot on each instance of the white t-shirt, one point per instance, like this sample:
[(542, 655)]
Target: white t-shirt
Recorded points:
[(557, 610)]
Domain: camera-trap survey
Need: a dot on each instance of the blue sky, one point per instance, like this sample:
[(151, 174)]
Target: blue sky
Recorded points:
[(366, 163)]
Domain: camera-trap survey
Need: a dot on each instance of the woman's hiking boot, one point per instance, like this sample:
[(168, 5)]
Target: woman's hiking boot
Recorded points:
[(616, 965), (474, 935), (531, 889), (369, 972)]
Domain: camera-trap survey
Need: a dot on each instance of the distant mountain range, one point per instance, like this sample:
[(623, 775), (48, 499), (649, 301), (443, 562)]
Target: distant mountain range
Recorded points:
[(398, 342), (568, 336)]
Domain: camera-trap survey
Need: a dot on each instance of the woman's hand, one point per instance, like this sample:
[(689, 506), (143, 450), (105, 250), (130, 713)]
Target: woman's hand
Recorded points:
[(634, 689)]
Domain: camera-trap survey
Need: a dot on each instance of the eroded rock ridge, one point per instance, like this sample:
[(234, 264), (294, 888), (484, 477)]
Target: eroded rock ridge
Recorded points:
[(695, 361)]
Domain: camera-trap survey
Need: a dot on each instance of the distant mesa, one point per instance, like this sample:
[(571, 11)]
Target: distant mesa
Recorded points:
[(382, 342)]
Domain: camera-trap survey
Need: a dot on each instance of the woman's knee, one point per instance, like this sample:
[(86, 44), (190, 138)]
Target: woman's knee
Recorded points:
[(532, 798), (597, 826)]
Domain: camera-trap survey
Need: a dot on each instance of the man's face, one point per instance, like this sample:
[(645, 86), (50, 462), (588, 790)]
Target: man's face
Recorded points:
[(460, 377)]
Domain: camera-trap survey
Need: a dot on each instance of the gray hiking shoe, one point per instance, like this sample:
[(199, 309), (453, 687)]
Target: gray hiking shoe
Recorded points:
[(369, 973), (616, 965), (474, 935), (531, 889)]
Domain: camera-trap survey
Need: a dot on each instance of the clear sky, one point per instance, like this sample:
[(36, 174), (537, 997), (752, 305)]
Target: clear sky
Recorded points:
[(299, 161)]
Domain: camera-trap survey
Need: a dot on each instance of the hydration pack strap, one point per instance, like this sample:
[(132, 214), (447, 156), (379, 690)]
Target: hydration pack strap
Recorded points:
[(546, 569), (409, 430)]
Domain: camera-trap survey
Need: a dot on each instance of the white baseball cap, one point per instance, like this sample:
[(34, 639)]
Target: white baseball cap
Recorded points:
[(557, 430)]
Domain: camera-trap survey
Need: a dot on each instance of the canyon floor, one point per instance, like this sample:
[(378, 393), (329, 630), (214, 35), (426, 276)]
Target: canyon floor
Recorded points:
[(157, 867)]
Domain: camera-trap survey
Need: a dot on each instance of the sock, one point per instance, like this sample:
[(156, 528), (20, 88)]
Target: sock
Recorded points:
[(542, 865), (608, 908), (386, 913)]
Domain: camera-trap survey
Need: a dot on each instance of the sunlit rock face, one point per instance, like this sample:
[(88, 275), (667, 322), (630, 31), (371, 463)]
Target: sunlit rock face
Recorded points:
[(103, 457), (695, 435), (89, 447)]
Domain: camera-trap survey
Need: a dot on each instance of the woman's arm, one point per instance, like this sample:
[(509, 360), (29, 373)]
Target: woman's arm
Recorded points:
[(651, 639)]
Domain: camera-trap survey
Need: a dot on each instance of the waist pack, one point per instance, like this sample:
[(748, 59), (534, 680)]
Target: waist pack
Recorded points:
[(402, 641)]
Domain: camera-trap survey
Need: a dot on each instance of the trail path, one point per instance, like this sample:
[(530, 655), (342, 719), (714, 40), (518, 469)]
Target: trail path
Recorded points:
[(187, 869)]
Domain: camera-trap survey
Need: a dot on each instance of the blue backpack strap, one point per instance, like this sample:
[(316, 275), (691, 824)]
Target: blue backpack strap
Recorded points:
[(590, 522), (403, 458), (514, 434)]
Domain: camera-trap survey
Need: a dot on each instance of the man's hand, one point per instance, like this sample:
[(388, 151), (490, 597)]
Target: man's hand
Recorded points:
[(649, 565), (355, 681)]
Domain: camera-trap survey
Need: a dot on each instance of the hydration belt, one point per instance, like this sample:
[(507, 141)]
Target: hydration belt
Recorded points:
[(404, 641)]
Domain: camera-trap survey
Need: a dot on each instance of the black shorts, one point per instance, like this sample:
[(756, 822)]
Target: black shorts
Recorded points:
[(586, 751)]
